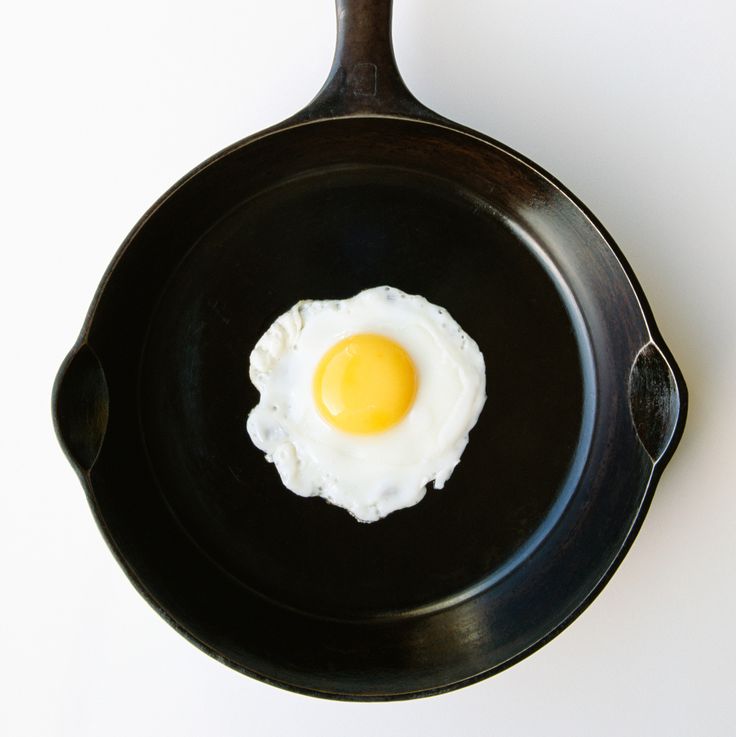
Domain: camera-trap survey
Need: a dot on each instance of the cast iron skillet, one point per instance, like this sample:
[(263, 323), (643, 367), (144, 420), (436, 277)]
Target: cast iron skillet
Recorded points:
[(367, 187)]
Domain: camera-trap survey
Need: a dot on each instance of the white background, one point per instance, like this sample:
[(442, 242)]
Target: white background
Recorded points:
[(631, 103)]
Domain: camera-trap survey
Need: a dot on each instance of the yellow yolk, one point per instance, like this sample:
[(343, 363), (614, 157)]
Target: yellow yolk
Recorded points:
[(365, 384)]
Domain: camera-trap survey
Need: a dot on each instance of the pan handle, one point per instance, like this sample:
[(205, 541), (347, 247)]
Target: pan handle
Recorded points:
[(364, 78), (80, 406)]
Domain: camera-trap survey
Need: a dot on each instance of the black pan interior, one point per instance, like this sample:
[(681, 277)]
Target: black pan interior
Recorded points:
[(331, 234), (295, 590)]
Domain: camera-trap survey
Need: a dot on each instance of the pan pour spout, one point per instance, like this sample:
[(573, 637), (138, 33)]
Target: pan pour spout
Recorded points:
[(81, 406), (655, 400)]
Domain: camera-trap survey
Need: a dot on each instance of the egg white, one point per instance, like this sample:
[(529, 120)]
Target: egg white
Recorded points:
[(368, 475)]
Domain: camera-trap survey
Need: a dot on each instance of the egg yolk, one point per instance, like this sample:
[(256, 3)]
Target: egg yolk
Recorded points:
[(364, 384)]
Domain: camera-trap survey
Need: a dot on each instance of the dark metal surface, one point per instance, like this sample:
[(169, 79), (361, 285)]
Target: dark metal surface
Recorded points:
[(367, 187)]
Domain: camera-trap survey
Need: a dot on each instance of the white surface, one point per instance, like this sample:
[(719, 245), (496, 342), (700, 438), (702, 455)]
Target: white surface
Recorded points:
[(631, 104)]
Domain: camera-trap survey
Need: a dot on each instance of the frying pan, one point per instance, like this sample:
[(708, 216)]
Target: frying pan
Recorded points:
[(362, 188)]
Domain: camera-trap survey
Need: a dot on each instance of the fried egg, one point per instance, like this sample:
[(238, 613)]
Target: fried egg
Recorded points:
[(365, 401)]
